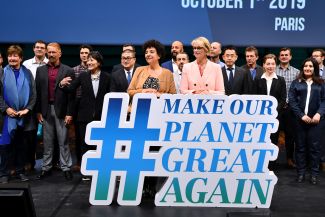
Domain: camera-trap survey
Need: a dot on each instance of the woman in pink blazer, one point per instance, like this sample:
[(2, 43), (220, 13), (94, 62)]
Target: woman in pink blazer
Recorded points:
[(202, 76)]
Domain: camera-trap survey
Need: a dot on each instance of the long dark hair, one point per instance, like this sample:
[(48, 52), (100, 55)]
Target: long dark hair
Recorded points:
[(316, 78)]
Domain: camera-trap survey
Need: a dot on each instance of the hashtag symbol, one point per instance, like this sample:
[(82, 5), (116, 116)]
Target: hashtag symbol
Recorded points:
[(131, 181)]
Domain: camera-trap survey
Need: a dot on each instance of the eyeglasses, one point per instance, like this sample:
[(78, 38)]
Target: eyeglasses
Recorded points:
[(197, 48), (127, 58)]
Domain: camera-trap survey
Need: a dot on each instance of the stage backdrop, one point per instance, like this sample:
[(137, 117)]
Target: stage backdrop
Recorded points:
[(238, 22)]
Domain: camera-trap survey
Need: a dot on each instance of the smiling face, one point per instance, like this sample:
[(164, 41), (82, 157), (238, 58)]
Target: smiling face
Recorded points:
[(93, 65), (308, 69), (151, 56), (269, 66), (14, 60)]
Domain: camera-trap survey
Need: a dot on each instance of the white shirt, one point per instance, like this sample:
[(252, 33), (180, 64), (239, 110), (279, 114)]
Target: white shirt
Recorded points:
[(126, 73), (177, 79), (309, 83), (269, 81), (32, 65), (175, 67), (95, 83), (228, 71)]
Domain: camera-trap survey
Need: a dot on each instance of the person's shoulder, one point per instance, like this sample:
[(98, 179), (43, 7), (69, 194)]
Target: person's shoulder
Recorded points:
[(28, 61)]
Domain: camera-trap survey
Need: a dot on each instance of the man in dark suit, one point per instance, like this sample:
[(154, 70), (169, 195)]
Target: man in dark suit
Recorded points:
[(121, 78), (252, 70), (129, 47), (54, 110), (319, 56), (177, 47), (233, 76)]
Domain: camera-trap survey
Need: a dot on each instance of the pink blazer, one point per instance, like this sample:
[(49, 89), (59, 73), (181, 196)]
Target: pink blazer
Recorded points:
[(211, 80)]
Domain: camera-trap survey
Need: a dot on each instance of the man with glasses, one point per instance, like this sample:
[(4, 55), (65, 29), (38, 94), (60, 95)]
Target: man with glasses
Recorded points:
[(32, 64), (125, 47), (39, 59), (121, 78)]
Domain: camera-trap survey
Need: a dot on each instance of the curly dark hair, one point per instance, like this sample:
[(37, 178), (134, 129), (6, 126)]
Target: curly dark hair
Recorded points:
[(316, 78), (160, 48)]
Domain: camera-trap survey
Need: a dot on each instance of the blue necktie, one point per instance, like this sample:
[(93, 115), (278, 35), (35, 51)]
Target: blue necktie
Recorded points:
[(129, 77), (231, 77), (253, 73)]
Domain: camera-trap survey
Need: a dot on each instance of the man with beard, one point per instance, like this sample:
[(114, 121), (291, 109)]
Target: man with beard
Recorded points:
[(54, 109), (215, 53), (176, 48), (181, 59)]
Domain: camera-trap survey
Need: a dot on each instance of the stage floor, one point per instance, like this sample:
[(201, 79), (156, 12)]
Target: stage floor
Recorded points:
[(55, 197)]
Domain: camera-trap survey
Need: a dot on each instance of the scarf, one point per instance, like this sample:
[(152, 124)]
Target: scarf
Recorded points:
[(16, 96)]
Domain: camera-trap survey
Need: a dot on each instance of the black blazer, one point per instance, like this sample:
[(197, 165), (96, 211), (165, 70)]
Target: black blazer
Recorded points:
[(298, 96), (90, 107), (278, 90), (249, 81), (64, 102), (238, 85), (119, 83)]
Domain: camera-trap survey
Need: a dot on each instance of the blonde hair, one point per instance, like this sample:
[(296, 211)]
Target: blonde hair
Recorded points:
[(204, 41), (56, 45)]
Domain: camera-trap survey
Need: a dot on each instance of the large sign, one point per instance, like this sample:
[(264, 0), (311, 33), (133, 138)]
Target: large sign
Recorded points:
[(215, 150), (236, 22)]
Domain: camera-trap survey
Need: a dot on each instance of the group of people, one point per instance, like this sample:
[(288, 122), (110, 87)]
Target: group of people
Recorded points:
[(44, 91)]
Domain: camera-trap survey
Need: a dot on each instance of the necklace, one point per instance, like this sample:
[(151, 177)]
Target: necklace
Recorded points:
[(95, 76)]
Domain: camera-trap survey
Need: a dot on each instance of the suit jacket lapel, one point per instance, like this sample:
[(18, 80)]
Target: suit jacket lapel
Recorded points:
[(101, 85), (90, 85), (273, 87)]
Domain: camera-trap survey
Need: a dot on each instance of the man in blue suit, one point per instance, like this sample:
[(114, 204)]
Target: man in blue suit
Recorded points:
[(177, 47)]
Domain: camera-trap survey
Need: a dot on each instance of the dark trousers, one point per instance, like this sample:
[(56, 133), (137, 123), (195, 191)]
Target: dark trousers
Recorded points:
[(322, 141), (78, 137), (14, 154), (31, 142), (286, 121), (308, 143)]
